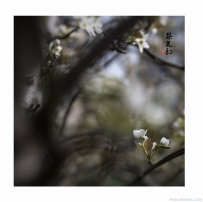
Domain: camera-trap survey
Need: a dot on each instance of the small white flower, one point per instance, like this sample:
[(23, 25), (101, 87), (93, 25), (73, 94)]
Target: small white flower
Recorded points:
[(58, 48), (163, 20), (57, 54), (154, 145), (142, 42), (56, 51), (164, 141), (54, 43), (91, 25), (57, 42), (154, 30), (140, 133), (97, 26)]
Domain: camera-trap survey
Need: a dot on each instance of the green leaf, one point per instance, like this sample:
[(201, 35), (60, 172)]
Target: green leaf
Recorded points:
[(139, 147), (159, 146)]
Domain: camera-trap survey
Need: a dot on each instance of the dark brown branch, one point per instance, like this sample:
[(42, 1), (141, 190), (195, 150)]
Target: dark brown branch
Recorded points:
[(162, 61), (115, 46), (62, 37), (62, 86), (67, 112), (33, 109), (50, 67), (159, 163), (66, 82)]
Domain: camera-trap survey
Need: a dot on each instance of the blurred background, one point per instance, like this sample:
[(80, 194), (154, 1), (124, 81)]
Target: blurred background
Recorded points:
[(73, 124)]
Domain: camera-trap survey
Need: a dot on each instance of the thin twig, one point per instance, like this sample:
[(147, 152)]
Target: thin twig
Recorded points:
[(62, 37), (159, 163), (162, 61)]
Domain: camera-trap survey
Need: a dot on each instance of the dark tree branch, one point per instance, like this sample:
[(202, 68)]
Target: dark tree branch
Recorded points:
[(65, 83), (33, 109), (50, 67), (67, 112), (162, 61), (115, 46), (159, 163), (62, 37), (60, 87)]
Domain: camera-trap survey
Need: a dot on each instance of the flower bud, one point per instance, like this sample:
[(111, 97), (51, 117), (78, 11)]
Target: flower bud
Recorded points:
[(58, 48), (164, 141), (57, 42)]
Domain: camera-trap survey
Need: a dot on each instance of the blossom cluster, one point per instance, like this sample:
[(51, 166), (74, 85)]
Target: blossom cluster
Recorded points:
[(54, 53), (91, 25), (55, 48), (147, 145)]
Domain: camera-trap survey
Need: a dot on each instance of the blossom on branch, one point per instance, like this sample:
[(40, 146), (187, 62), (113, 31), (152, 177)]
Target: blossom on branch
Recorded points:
[(147, 145), (55, 48), (139, 133), (138, 38), (141, 42), (164, 141), (91, 25)]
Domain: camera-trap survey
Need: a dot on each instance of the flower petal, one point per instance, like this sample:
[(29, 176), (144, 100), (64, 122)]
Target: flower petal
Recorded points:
[(140, 47), (146, 45), (154, 145), (145, 36)]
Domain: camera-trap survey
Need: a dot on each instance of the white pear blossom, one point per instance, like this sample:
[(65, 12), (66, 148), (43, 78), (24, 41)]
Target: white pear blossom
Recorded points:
[(147, 145), (141, 42), (140, 133), (163, 20), (54, 44), (97, 26), (91, 25), (164, 141)]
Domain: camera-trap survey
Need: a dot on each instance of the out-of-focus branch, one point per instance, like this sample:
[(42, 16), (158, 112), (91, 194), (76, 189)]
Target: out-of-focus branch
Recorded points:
[(66, 82), (62, 37), (49, 68), (162, 61), (67, 112), (159, 163), (173, 177), (33, 109), (60, 87), (115, 46)]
